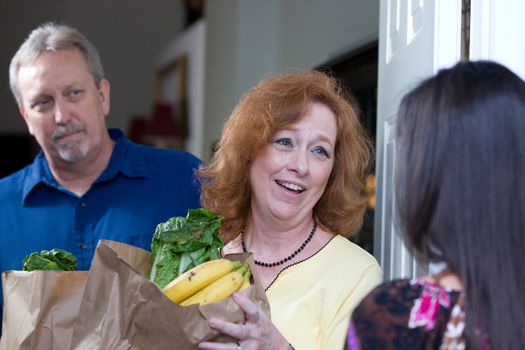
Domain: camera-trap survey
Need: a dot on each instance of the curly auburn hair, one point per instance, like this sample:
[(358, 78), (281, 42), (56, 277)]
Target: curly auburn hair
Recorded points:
[(274, 104)]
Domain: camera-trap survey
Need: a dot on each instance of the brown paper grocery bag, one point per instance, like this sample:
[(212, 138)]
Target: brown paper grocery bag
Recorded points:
[(40, 308), (122, 309)]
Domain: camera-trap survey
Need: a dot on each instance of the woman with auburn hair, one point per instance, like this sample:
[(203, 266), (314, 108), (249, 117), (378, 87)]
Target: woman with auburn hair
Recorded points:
[(288, 177), (460, 192)]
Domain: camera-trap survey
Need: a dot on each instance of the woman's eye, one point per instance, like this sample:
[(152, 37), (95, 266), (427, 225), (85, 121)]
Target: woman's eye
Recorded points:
[(283, 142), (321, 151)]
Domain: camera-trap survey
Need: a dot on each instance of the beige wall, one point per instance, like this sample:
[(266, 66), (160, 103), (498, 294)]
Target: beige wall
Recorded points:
[(249, 39)]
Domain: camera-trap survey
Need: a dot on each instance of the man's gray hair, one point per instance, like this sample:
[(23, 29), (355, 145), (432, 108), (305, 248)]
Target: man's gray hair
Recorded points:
[(53, 37)]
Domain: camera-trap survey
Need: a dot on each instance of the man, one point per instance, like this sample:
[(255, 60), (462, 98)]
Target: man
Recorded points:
[(87, 183)]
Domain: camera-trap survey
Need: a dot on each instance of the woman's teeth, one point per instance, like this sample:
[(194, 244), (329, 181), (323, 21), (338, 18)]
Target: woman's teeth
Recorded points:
[(292, 187)]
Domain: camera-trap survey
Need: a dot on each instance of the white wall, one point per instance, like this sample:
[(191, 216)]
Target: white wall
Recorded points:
[(128, 33), (250, 39), (191, 43), (315, 31)]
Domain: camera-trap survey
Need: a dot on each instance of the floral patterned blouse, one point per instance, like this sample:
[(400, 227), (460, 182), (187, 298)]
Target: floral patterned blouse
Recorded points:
[(408, 314)]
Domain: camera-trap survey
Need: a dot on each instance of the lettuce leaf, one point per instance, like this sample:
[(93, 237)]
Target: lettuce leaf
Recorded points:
[(54, 259), (182, 243)]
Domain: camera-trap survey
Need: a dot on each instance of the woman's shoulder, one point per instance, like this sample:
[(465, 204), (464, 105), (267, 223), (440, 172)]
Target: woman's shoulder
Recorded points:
[(342, 246), (343, 260), (404, 310), (402, 294)]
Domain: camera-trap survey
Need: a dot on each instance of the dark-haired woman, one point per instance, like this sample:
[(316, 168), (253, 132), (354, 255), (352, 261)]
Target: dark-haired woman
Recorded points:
[(461, 201)]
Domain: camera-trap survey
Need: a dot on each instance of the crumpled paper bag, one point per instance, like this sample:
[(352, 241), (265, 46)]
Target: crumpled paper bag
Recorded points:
[(40, 308), (122, 309)]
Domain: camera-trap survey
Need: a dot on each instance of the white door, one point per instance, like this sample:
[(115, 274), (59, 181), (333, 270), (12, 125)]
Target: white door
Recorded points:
[(497, 32), (416, 38)]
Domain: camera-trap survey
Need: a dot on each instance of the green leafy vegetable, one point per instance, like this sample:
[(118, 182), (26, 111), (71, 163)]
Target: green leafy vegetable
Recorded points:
[(54, 259), (184, 242)]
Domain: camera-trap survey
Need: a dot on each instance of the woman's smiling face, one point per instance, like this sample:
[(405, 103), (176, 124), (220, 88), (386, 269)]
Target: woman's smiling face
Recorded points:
[(290, 174)]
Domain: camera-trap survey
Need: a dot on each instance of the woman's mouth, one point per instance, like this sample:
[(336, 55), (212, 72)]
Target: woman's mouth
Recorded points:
[(290, 186)]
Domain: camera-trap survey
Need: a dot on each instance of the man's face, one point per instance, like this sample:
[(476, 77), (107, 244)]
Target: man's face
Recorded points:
[(61, 105)]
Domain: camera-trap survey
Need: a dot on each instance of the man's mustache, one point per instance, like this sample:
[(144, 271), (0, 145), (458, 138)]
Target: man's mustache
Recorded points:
[(68, 129)]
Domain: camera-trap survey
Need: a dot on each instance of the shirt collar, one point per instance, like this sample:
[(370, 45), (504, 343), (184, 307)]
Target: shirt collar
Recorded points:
[(126, 159)]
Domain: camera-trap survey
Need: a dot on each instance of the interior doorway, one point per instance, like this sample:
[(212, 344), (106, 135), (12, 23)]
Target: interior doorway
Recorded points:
[(357, 71)]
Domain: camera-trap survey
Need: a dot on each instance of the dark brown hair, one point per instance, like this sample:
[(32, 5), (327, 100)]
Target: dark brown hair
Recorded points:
[(461, 191)]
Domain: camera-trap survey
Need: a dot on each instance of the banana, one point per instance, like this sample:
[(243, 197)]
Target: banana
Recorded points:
[(218, 290), (198, 277), (246, 279)]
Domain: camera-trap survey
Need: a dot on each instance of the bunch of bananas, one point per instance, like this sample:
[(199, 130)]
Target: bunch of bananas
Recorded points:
[(208, 282)]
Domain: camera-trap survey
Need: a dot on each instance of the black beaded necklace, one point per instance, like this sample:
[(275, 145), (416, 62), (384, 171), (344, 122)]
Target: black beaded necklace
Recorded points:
[(290, 257)]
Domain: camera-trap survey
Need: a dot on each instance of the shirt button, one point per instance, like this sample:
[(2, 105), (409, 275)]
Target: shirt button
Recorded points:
[(83, 204), (83, 245)]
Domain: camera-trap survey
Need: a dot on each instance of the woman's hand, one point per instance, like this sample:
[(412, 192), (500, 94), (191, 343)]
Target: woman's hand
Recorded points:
[(257, 333)]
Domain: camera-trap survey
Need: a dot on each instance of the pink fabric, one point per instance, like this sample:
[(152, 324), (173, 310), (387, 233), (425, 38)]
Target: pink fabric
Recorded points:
[(425, 310)]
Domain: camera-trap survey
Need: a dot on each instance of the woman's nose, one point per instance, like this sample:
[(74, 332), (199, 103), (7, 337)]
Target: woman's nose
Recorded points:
[(298, 162)]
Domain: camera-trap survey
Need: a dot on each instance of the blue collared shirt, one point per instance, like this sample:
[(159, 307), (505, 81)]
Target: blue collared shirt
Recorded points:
[(141, 187)]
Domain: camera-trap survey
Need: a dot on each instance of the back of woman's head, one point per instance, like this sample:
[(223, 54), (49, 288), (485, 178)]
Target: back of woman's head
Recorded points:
[(460, 172)]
